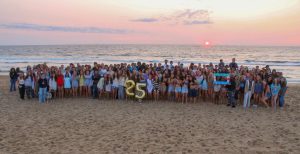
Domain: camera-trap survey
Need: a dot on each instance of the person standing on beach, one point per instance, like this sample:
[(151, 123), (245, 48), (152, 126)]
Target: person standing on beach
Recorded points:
[(258, 89), (67, 83), (184, 89), (81, 83), (275, 88), (100, 86), (95, 78), (21, 85), (156, 85), (171, 88), (171, 66), (43, 84), (75, 83), (87, 82), (150, 86), (249, 89), (166, 64), (204, 87), (177, 83), (60, 84), (233, 64), (28, 84), (121, 85), (231, 92), (193, 91), (221, 64), (13, 79), (108, 85), (53, 85), (282, 92)]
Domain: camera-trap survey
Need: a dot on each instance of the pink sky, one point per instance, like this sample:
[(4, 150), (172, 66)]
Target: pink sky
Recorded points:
[(230, 22)]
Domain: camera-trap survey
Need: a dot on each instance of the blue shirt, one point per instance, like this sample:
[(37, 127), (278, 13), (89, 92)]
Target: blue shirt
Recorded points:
[(67, 83), (275, 89), (28, 81)]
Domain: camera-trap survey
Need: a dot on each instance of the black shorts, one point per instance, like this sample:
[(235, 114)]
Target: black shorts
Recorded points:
[(192, 93)]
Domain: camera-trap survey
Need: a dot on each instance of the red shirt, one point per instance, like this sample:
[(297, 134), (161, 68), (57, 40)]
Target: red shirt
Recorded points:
[(60, 80)]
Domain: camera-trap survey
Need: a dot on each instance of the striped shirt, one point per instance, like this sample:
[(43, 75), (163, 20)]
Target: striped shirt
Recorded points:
[(155, 84)]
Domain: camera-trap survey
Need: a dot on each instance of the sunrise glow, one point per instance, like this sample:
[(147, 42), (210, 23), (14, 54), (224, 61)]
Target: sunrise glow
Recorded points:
[(232, 22)]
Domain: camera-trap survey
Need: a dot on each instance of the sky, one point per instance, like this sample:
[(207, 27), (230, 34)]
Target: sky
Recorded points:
[(219, 22)]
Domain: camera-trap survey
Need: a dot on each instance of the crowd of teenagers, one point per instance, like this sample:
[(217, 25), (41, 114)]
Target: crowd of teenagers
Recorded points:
[(164, 81)]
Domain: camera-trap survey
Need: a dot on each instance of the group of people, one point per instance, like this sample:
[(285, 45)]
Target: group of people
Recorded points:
[(164, 81)]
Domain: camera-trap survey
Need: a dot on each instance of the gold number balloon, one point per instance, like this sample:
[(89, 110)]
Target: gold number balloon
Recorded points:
[(129, 87), (140, 93)]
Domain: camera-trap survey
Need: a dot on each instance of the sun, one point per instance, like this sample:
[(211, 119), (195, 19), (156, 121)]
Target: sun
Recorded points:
[(206, 43)]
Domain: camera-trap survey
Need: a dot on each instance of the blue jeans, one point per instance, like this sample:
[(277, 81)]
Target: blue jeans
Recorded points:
[(231, 98), (247, 99), (281, 101), (95, 91), (121, 92), (32, 93), (12, 85), (42, 94), (28, 91)]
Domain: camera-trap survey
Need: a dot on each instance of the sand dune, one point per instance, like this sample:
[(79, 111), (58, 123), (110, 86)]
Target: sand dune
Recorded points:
[(84, 125)]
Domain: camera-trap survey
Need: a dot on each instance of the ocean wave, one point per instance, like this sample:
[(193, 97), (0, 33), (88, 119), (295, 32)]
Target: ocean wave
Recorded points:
[(274, 63), (69, 59)]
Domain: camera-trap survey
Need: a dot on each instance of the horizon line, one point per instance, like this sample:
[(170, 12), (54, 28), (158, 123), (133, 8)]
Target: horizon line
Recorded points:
[(192, 44)]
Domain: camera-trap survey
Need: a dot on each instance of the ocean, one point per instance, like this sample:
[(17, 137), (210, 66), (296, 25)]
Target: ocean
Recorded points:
[(283, 59)]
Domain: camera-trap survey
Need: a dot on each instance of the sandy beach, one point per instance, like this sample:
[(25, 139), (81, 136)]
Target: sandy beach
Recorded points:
[(82, 125)]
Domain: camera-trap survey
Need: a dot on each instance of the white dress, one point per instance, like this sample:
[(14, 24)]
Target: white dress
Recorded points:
[(149, 86), (100, 84)]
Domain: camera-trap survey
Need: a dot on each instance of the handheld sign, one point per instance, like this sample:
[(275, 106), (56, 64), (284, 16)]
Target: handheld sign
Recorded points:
[(222, 78)]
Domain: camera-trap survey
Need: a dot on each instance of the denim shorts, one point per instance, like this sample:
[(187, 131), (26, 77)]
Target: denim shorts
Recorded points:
[(170, 89), (184, 90), (178, 89)]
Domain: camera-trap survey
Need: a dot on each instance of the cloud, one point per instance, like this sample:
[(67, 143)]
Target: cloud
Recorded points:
[(188, 13), (183, 17), (145, 20), (197, 22), (37, 27)]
